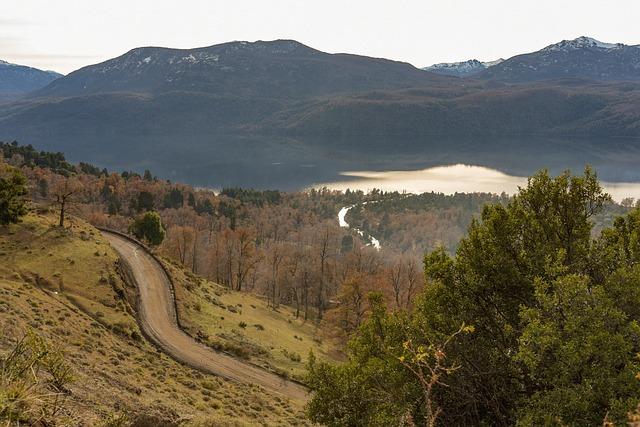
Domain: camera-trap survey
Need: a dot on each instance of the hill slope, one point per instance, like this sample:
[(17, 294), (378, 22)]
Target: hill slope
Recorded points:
[(272, 69), (65, 284), (17, 80), (583, 57)]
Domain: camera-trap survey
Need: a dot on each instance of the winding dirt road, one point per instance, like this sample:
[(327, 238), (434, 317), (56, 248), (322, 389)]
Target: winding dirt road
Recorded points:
[(159, 322)]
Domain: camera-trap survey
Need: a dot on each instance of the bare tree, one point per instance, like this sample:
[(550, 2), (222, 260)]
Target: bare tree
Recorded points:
[(64, 191), (413, 280), (396, 277), (275, 256), (246, 258)]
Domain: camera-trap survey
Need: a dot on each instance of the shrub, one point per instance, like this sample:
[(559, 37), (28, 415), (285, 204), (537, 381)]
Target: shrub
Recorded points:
[(33, 382), (12, 191), (148, 227)]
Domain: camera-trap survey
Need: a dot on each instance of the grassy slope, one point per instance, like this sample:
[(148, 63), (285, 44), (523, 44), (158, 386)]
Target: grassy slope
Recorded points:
[(273, 339), (64, 284)]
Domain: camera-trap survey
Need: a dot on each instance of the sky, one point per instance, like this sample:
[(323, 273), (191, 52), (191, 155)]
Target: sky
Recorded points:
[(64, 35)]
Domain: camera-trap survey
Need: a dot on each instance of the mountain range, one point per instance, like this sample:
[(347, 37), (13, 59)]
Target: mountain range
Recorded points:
[(583, 57), (468, 68), (17, 80), (186, 112)]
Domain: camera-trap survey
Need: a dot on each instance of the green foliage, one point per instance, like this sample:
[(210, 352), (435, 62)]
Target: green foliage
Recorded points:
[(31, 157), (174, 199), (90, 169), (205, 207), (148, 227), (255, 197), (393, 368), (33, 382), (12, 192), (145, 201), (580, 351), (554, 316), (346, 245)]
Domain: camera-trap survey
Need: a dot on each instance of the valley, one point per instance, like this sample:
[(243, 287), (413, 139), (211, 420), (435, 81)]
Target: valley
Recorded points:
[(279, 233)]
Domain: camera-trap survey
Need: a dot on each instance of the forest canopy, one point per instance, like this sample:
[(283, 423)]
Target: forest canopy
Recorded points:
[(532, 322)]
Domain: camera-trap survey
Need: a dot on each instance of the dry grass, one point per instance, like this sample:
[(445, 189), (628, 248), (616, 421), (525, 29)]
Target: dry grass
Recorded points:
[(64, 285), (244, 324)]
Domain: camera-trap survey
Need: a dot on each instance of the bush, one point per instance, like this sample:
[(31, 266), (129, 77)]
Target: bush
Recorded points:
[(148, 227), (12, 191), (33, 382)]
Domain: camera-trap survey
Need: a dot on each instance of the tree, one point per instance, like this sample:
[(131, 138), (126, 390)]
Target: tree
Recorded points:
[(346, 245), (554, 315), (581, 352), (174, 199), (12, 192), (145, 201), (148, 227), (245, 255), (394, 371), (64, 191), (352, 305)]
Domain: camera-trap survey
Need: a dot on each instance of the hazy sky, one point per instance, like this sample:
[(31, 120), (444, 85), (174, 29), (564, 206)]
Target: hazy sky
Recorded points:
[(64, 35)]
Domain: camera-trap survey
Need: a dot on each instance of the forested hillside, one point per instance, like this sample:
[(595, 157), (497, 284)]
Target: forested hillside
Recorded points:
[(521, 312), (533, 321)]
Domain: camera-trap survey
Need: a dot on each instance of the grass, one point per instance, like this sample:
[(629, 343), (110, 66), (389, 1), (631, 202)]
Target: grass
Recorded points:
[(82, 307), (244, 324)]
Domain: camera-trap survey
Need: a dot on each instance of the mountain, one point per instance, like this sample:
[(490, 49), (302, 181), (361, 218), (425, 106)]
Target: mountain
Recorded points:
[(283, 69), (269, 113), (16, 80), (583, 57), (461, 69), (550, 108)]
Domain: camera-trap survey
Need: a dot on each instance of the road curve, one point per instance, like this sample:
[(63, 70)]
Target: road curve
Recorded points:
[(158, 320)]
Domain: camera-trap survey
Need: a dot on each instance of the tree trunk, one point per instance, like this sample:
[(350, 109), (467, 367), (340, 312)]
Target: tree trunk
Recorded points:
[(61, 223)]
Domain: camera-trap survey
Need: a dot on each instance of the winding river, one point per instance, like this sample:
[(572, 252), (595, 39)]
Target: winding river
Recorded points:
[(343, 223)]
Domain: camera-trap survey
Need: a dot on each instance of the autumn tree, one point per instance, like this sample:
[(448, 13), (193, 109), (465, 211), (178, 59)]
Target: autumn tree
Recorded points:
[(245, 256)]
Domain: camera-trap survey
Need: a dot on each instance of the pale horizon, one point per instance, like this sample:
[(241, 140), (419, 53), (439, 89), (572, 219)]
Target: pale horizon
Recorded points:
[(71, 34)]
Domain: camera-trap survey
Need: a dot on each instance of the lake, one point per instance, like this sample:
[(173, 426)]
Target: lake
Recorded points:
[(458, 178), (409, 163)]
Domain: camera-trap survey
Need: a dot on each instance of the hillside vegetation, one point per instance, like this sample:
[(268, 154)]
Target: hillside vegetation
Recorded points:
[(64, 285), (533, 321), (247, 326)]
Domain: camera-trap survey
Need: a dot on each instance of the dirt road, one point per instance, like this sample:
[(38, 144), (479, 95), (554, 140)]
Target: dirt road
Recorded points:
[(158, 319)]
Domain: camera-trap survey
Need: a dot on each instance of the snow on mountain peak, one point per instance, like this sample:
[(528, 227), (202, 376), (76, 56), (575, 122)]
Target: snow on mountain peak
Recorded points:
[(463, 68), (581, 43)]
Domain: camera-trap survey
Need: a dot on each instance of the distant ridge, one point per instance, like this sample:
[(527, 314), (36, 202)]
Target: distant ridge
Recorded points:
[(462, 69), (243, 104), (16, 80), (583, 57), (273, 69)]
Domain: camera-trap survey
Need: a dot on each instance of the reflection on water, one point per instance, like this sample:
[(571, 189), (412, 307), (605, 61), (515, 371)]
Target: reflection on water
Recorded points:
[(455, 178)]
